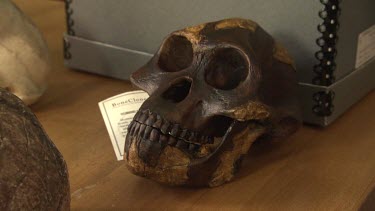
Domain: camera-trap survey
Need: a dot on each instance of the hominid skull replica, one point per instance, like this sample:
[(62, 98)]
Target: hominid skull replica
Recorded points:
[(214, 89)]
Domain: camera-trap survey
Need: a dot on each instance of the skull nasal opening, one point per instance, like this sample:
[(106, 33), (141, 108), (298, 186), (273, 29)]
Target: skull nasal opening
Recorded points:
[(178, 91)]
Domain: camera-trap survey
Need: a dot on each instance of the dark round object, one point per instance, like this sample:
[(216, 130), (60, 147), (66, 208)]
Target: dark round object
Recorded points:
[(33, 173)]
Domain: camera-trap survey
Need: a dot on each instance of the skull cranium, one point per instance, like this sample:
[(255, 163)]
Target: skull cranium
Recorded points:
[(214, 89)]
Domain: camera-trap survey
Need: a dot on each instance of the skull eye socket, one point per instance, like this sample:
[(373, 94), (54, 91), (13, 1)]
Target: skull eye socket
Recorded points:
[(227, 69), (176, 54)]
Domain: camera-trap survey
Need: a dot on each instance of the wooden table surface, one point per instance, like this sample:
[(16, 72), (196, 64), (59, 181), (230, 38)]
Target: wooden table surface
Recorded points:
[(315, 169)]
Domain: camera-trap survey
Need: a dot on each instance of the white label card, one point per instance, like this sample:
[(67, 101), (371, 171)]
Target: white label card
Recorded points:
[(366, 46), (118, 111)]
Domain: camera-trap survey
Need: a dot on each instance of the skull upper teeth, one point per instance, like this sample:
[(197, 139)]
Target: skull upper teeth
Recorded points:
[(152, 127)]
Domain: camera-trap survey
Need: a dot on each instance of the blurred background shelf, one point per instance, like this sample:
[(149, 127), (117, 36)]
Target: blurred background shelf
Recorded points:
[(320, 169)]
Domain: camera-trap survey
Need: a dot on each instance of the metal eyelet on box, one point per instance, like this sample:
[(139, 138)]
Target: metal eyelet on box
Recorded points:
[(327, 42), (69, 20), (324, 105), (326, 56), (67, 54), (70, 30)]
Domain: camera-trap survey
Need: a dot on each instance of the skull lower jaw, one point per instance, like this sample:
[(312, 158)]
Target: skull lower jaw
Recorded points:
[(164, 163), (174, 166), (171, 166), (163, 151)]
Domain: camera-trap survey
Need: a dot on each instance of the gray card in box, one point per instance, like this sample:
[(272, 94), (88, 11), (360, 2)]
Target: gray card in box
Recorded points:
[(332, 41)]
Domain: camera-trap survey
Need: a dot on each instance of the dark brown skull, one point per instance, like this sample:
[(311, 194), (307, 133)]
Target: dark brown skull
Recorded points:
[(214, 89)]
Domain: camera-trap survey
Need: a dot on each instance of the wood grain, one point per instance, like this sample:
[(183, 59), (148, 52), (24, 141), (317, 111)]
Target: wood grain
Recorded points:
[(315, 169)]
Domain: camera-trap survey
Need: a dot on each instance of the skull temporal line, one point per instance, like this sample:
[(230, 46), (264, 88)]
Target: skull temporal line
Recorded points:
[(214, 89)]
